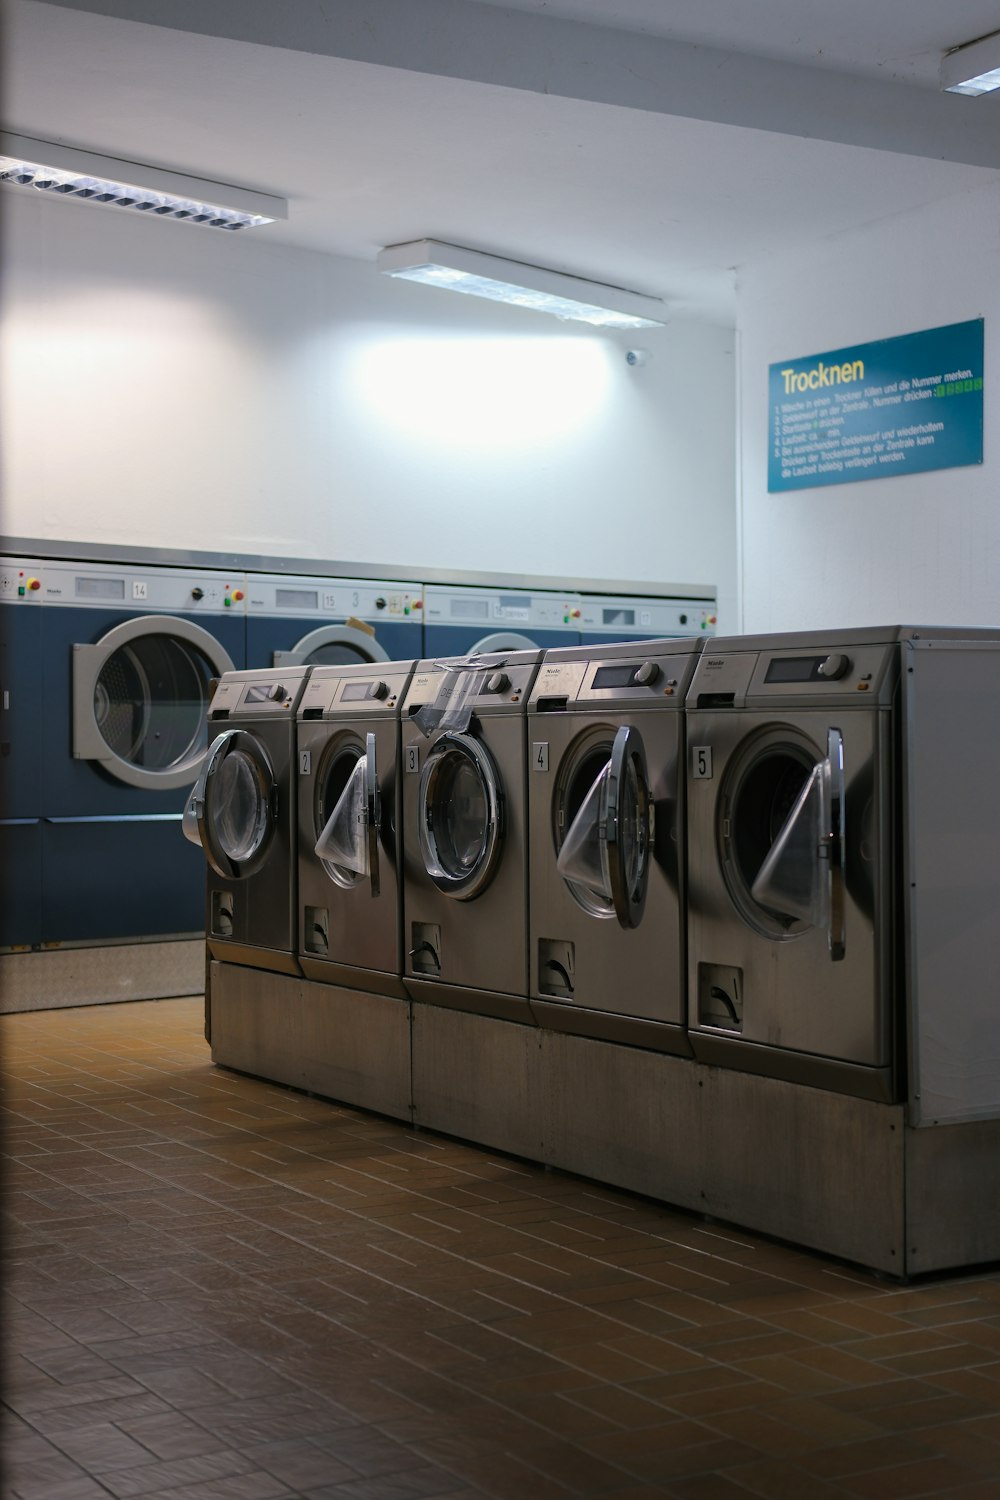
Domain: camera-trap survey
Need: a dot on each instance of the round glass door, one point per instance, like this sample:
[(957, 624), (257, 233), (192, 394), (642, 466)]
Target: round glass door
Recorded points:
[(238, 799), (333, 646), (603, 817), (460, 816), (347, 812)]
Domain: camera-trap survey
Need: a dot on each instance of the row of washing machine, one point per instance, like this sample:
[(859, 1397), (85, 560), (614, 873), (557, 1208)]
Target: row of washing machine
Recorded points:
[(105, 673), (770, 854)]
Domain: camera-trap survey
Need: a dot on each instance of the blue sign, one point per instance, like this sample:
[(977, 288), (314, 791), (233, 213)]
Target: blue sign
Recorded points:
[(896, 406)]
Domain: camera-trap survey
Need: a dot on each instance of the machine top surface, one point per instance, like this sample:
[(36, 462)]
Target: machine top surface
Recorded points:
[(264, 693), (358, 689), (864, 635), (139, 590), (503, 689), (649, 674)]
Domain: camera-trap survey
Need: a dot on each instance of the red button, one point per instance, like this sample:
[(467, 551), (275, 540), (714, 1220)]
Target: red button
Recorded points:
[(34, 583), (237, 594)]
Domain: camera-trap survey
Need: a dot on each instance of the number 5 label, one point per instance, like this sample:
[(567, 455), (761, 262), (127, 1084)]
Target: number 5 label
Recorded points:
[(701, 762)]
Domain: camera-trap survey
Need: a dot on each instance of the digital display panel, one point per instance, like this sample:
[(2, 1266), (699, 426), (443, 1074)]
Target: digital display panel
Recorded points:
[(258, 693), (515, 601), (471, 609), (100, 588), (794, 669), (618, 616), (609, 677), (354, 692), (296, 598)]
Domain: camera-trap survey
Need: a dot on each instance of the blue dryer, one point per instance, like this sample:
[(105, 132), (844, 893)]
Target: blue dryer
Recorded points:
[(461, 619), (105, 692), (298, 621)]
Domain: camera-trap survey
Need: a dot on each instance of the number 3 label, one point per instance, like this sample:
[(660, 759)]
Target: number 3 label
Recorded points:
[(701, 762)]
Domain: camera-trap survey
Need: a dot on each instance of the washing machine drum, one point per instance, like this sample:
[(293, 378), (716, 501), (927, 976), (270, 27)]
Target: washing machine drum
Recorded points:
[(604, 824), (140, 700), (782, 835), (460, 815), (232, 811)]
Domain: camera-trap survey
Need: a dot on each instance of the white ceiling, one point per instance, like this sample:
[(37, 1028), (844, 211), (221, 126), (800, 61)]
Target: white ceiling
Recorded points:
[(546, 130)]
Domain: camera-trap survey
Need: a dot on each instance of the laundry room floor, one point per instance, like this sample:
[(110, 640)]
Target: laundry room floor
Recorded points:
[(218, 1289)]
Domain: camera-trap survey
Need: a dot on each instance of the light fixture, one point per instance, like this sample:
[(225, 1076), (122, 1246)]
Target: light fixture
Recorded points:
[(460, 270), (973, 68), (66, 172)]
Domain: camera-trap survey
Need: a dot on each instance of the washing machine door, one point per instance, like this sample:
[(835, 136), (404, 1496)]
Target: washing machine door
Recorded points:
[(140, 700), (503, 640), (233, 810), (802, 877), (348, 839), (332, 645), (605, 854), (460, 811)]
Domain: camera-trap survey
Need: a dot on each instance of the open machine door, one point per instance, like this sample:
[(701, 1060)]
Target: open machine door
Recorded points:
[(605, 854), (347, 845), (802, 877), (233, 809), (332, 646)]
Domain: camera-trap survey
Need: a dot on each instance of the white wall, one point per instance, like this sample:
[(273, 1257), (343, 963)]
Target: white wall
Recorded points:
[(168, 386), (913, 549)]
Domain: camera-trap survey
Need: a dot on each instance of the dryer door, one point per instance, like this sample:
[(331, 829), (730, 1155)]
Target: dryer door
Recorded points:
[(140, 700), (347, 844), (605, 854), (332, 646), (802, 877), (234, 806), (460, 815)]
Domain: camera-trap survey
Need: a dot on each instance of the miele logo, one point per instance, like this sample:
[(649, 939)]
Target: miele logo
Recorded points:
[(49, 591), (256, 603), (552, 671), (717, 661)]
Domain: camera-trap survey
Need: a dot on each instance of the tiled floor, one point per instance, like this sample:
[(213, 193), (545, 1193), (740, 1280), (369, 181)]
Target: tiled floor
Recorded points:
[(219, 1288)]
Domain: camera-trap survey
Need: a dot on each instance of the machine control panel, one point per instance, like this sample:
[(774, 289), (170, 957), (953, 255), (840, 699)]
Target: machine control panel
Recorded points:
[(357, 690), (492, 608), (321, 599), (252, 695), (619, 617), (732, 679), (132, 589), (517, 667), (627, 679)]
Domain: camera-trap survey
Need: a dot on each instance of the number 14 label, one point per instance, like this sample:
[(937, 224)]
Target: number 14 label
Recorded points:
[(701, 762)]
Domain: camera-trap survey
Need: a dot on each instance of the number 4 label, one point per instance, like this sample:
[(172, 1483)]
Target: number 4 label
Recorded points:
[(701, 762), (540, 755)]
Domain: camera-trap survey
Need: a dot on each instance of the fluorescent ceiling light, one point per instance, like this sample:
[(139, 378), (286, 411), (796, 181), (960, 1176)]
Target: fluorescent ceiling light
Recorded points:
[(66, 172), (974, 68), (459, 270)]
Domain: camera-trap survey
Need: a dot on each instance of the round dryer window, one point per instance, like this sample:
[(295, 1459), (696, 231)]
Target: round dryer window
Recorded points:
[(238, 807), (460, 815), (151, 701)]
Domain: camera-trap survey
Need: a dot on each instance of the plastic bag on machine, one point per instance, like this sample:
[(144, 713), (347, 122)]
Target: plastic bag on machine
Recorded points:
[(455, 699), (583, 858), (344, 840)]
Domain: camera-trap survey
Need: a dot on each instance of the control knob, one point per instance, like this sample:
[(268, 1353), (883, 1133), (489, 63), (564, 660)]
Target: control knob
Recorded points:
[(647, 674), (380, 690), (833, 667), (197, 593), (497, 682), (277, 693), (380, 603)]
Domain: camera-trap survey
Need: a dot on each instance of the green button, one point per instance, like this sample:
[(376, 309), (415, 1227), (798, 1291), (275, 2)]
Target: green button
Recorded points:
[(227, 601), (21, 590)]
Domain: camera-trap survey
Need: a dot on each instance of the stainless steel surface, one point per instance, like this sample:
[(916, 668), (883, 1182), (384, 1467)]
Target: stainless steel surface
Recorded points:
[(952, 1205), (346, 1045), (55, 978), (951, 701), (330, 568), (621, 954), (478, 1077), (766, 978), (247, 820), (476, 946), (350, 924)]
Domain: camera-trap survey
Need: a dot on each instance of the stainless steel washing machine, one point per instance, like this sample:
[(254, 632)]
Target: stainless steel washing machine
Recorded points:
[(810, 810), (349, 813), (605, 799), (242, 812), (464, 833)]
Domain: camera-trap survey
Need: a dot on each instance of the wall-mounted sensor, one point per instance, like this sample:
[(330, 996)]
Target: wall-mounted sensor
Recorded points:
[(638, 357)]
